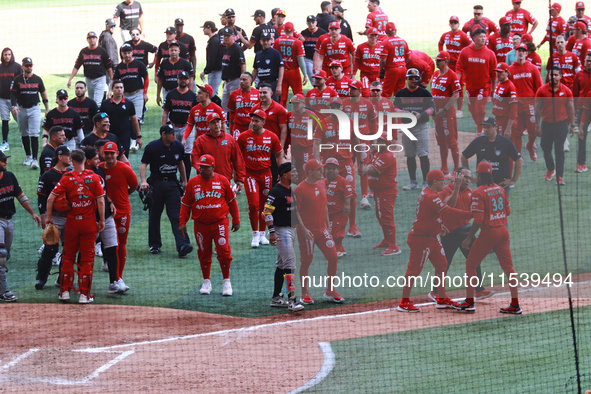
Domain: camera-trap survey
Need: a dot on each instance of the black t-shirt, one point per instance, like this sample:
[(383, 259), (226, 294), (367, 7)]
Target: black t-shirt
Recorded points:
[(47, 182), (9, 189), (86, 109), (7, 74), (267, 63), (280, 198), (140, 50), (189, 42), (25, 91), (323, 20), (132, 75), (258, 32), (69, 120), (310, 41), (95, 61), (167, 72), (214, 59), (120, 115), (179, 105), (346, 29), (92, 138), (100, 171), (162, 52), (163, 160), (497, 153), (420, 100), (129, 15), (236, 35), (46, 158), (232, 61)]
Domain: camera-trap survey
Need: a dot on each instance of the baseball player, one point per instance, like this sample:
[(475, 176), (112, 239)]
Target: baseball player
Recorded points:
[(120, 181), (25, 108), (257, 146), (336, 47), (567, 61), (581, 90), (312, 229), (490, 207), (395, 54), (268, 66), (281, 26), (57, 137), (338, 194), (65, 117), (479, 22), (446, 88), (292, 51), (9, 69), (505, 103), (556, 25), (97, 66), (338, 81), (422, 62), (169, 69), (86, 107), (85, 194), (532, 55), (134, 75), (376, 19), (321, 95), (262, 27), (297, 126), (102, 125), (140, 47), (579, 43), (213, 65), (367, 60), (108, 43), (500, 42), (238, 33), (208, 200), (278, 214), (186, 39), (580, 13), (382, 105), (241, 103), (198, 117), (163, 51), (521, 19), (233, 64), (311, 35), (424, 244), (132, 16), (476, 66), (9, 190)]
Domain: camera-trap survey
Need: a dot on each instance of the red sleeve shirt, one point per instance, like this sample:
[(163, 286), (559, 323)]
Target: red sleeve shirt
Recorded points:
[(429, 208), (208, 201), (464, 201), (395, 51), (477, 67), (366, 114), (291, 48), (240, 106), (328, 135), (505, 101), (544, 95), (520, 20), (581, 88), (341, 86), (454, 43), (367, 59), (311, 205), (338, 50), (490, 206), (298, 130), (336, 192), (444, 86), (317, 99), (119, 180), (379, 20), (225, 151), (526, 78), (536, 60), (422, 62), (385, 164), (276, 116), (198, 118), (383, 107), (580, 48), (500, 46), (568, 63), (82, 198), (257, 149)]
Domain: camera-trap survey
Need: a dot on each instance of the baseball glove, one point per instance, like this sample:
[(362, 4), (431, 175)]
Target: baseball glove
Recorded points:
[(51, 235)]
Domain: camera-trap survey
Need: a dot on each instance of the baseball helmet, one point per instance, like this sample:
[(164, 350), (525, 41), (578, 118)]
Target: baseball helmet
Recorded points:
[(413, 72)]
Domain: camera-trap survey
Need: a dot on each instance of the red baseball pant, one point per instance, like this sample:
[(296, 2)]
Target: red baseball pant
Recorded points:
[(446, 134), (347, 171), (394, 80), (477, 105), (326, 244), (384, 200), (79, 236), (366, 80), (293, 79), (526, 121), (122, 223), (299, 158), (421, 249), (257, 185), (219, 233), (337, 222)]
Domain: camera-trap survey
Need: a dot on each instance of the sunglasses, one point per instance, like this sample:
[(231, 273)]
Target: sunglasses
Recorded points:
[(135, 34), (477, 13), (62, 98), (412, 78), (376, 90)]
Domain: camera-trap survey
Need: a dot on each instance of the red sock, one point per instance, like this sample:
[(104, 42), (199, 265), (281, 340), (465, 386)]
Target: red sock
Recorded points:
[(364, 185), (455, 156), (443, 153), (515, 301), (206, 270), (469, 300)]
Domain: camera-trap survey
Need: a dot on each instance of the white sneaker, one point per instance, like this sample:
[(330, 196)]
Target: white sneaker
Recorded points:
[(115, 289), (40, 250), (98, 251), (294, 306), (411, 186), (4, 147), (85, 299), (57, 259), (262, 239), (365, 203), (64, 296), (227, 289), (566, 146), (133, 147), (459, 114), (255, 239), (105, 267), (28, 161), (122, 285), (206, 287), (34, 164)]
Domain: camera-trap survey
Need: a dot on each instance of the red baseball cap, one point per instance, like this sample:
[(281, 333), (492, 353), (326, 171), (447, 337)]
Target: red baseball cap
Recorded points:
[(484, 167), (331, 160), (111, 147), (207, 88), (390, 26), (516, 1), (334, 25), (443, 55), (335, 63), (505, 20), (502, 67), (297, 98), (521, 46), (289, 27), (260, 113), (280, 12), (581, 26), (206, 160), (579, 5), (213, 116), (527, 38), (320, 74), (372, 30), (312, 164), (356, 85), (454, 18), (435, 175), (556, 6)]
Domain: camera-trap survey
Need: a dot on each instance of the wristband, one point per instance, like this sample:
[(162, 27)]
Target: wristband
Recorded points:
[(45, 101), (271, 229), (139, 136)]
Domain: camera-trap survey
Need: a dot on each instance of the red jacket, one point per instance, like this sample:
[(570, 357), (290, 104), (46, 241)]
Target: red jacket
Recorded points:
[(225, 151)]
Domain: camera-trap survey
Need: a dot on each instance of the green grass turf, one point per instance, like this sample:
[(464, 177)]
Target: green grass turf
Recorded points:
[(512, 354)]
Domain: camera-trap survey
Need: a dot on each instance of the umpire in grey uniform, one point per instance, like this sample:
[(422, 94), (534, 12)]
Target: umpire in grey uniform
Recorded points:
[(165, 156)]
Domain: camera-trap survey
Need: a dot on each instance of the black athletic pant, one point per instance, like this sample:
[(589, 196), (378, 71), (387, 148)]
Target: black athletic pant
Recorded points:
[(554, 134), (166, 194)]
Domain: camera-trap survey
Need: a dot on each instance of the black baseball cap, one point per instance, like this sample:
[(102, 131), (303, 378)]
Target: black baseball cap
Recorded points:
[(91, 34), (338, 8), (284, 168), (62, 150), (488, 120), (179, 21), (61, 93), (311, 18), (229, 12), (183, 74), (209, 25), (166, 129), (27, 61), (170, 30), (266, 36), (174, 43), (258, 13), (226, 31), (3, 155), (126, 48), (110, 22)]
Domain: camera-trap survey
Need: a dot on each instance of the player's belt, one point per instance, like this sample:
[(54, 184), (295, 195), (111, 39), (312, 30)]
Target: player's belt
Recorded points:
[(132, 93), (6, 217), (268, 80), (30, 106), (167, 179)]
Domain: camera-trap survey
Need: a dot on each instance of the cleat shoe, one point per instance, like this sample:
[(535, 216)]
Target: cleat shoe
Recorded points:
[(566, 146), (411, 186), (464, 306), (40, 284), (560, 181), (532, 154), (154, 250), (28, 161), (459, 114), (279, 302), (333, 296), (4, 147), (255, 240), (105, 267), (64, 296), (262, 239), (444, 303), (512, 310), (98, 250), (122, 285), (525, 132), (206, 287), (549, 175), (115, 289), (354, 232), (185, 250), (575, 130), (40, 250), (85, 299), (481, 295), (424, 185), (34, 164), (306, 299), (341, 254), (8, 297), (227, 288), (581, 168), (446, 174), (407, 306), (432, 296), (293, 306), (391, 250), (133, 147), (382, 245), (341, 250), (365, 203)]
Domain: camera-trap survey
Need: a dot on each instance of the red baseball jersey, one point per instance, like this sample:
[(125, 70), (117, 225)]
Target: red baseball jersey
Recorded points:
[(367, 58), (291, 48), (341, 86), (198, 118), (526, 78), (119, 180), (281, 32), (429, 209), (379, 20), (336, 192), (382, 107), (366, 114), (535, 59), (563, 94), (582, 88), (444, 86), (320, 99), (520, 20), (276, 116), (298, 130), (395, 51), (257, 149), (568, 63), (422, 62), (329, 135), (500, 46), (505, 100), (477, 67), (338, 50), (490, 206), (385, 164), (311, 204), (208, 201), (556, 26), (225, 151), (82, 190), (454, 43), (579, 47), (240, 106), (463, 203), (484, 23)]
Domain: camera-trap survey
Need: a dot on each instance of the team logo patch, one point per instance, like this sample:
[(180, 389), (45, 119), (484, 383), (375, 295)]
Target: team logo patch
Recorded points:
[(121, 230), (497, 152), (224, 142), (330, 243), (268, 61), (176, 157), (349, 178), (221, 241)]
